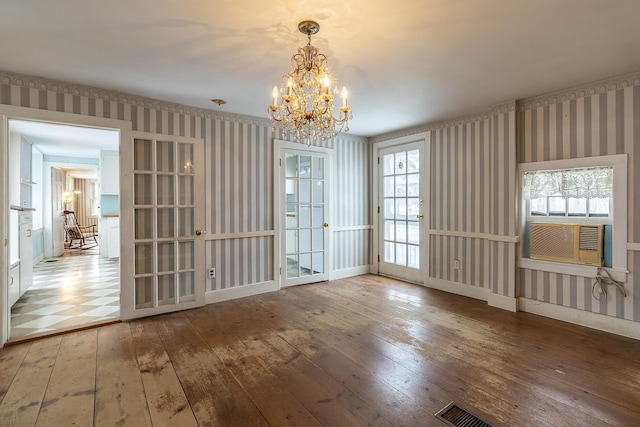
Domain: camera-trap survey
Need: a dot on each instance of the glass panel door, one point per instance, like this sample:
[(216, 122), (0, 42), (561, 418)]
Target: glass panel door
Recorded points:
[(402, 210), (167, 254), (304, 180)]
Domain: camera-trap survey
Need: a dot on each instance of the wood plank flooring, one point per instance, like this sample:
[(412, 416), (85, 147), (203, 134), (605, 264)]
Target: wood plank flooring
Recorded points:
[(361, 351)]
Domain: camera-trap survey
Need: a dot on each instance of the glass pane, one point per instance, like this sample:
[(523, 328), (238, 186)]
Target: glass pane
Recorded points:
[(389, 208), (166, 222), (292, 190), (305, 191), (317, 239), (389, 230), (389, 252), (185, 157), (291, 165), (577, 207), (389, 186), (401, 185), (186, 222), (165, 190), (305, 265), (305, 216), (165, 161), (166, 289), (317, 168), (413, 208), (413, 232), (143, 258), (292, 242), (401, 163), (413, 185), (538, 207), (305, 239), (401, 254), (142, 189), (599, 207), (401, 208), (166, 257), (413, 256), (318, 191), (144, 292), (413, 161), (292, 266), (318, 262), (318, 216), (144, 223), (401, 231), (388, 164), (305, 167), (292, 216), (186, 252), (557, 206), (185, 190), (187, 286), (142, 154)]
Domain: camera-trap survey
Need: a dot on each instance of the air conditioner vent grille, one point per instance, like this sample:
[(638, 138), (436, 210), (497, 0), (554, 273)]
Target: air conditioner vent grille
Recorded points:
[(589, 238), (556, 242)]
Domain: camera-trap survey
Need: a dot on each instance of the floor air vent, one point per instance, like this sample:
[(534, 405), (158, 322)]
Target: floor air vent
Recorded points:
[(453, 415)]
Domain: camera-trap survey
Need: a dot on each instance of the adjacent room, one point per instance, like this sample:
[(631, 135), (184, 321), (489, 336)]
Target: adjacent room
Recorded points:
[(355, 213)]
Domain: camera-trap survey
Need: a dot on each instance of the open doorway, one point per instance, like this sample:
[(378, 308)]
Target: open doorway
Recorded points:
[(59, 280)]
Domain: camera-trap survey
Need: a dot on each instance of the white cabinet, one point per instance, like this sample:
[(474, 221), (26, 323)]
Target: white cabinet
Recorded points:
[(14, 283), (26, 251), (113, 225), (109, 172)]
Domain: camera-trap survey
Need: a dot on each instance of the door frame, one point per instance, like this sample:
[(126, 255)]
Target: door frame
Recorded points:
[(424, 139), (8, 112), (127, 229), (278, 147)]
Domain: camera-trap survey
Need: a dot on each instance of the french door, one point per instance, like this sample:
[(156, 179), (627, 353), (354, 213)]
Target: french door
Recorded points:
[(402, 193), (304, 219), (163, 213)]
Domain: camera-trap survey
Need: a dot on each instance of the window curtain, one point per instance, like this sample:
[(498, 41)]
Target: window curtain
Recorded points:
[(576, 183)]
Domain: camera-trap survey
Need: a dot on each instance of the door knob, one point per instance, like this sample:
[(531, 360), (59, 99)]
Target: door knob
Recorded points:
[(200, 232), (326, 224), (420, 216)]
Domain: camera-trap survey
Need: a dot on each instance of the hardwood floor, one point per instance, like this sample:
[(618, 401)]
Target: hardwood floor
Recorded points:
[(361, 351)]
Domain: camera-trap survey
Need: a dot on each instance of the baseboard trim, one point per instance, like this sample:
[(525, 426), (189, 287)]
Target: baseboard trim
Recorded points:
[(350, 272), (601, 322), (457, 288), (240, 291), (503, 302)]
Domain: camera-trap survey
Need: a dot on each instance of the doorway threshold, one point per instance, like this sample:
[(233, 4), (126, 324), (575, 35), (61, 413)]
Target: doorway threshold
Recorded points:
[(34, 337)]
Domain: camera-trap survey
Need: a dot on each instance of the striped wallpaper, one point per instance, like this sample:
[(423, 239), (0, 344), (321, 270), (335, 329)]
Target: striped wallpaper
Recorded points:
[(473, 192), (239, 163), (594, 120)]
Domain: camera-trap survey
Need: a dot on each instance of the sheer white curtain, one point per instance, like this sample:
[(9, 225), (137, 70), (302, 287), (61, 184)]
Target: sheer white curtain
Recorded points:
[(575, 183)]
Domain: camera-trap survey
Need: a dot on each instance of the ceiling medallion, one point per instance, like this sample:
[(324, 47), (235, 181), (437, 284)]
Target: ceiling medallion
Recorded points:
[(306, 94)]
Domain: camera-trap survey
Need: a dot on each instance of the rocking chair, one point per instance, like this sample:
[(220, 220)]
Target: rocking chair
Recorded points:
[(79, 233)]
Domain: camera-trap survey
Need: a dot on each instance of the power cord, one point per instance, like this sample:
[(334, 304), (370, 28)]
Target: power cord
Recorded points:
[(599, 289)]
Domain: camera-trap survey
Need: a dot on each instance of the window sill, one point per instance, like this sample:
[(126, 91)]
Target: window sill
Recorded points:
[(570, 269)]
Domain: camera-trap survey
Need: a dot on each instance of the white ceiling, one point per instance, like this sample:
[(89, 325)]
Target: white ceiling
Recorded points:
[(405, 62)]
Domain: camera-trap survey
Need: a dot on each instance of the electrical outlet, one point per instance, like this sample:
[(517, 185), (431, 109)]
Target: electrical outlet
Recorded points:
[(456, 264), (212, 273)]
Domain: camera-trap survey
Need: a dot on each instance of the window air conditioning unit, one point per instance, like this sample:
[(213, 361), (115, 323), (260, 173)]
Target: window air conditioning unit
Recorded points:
[(572, 243)]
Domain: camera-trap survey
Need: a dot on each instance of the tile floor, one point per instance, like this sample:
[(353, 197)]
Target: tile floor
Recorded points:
[(71, 291)]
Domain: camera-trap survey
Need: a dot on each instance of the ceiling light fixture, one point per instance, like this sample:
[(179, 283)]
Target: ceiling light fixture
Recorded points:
[(306, 95)]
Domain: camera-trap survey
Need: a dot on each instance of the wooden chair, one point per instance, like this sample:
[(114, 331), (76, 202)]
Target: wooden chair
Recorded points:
[(79, 233)]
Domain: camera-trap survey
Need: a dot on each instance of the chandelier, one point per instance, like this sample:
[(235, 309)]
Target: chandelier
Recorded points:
[(306, 95)]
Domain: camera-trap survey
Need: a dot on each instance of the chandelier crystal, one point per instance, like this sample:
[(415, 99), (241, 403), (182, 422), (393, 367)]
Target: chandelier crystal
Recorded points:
[(306, 95)]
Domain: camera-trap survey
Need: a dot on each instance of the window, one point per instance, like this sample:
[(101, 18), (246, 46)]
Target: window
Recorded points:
[(589, 190)]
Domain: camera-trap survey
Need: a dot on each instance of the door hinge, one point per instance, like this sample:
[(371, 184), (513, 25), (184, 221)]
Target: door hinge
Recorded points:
[(378, 209), (280, 162), (281, 271), (378, 160), (378, 258)]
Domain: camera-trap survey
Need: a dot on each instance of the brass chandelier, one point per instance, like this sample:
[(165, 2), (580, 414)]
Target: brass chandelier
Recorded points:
[(306, 95)]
